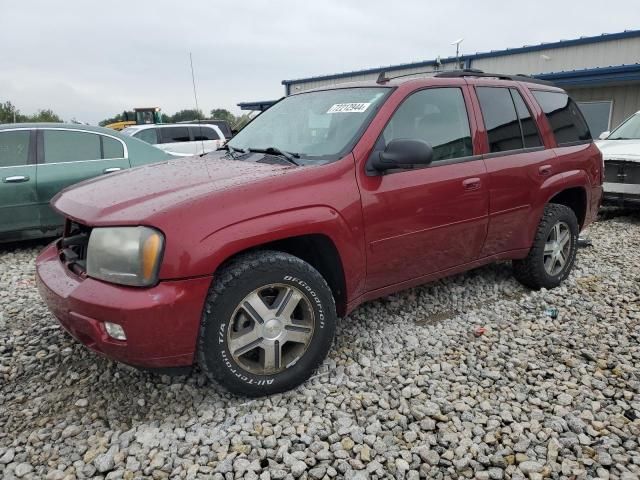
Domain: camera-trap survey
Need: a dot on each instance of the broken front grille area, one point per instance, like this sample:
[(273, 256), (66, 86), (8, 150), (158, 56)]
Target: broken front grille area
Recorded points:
[(618, 171), (72, 247)]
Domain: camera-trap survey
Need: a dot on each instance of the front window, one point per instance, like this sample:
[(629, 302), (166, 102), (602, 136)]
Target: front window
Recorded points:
[(629, 130), (322, 125)]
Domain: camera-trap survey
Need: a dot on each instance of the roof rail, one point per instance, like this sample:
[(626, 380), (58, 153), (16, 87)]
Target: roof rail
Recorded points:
[(382, 77), (472, 72)]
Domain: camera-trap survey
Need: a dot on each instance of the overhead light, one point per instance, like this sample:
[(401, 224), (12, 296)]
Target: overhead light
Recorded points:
[(545, 57)]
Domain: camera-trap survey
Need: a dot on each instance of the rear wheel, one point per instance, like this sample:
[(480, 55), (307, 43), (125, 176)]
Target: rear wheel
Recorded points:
[(268, 322), (553, 252)]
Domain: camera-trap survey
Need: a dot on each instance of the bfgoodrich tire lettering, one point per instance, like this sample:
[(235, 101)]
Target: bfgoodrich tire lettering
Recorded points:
[(532, 271), (234, 286)]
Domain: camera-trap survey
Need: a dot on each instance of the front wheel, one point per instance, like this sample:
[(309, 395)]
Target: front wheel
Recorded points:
[(553, 252), (268, 322)]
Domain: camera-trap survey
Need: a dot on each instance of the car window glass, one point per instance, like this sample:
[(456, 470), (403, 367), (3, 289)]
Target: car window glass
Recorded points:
[(564, 116), (530, 133), (69, 146), (319, 125), (149, 135), (175, 134), (630, 129), (14, 148), (204, 133), (436, 115), (112, 148), (500, 119)]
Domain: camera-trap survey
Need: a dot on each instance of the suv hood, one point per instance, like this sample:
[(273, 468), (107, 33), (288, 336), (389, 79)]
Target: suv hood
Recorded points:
[(136, 195), (627, 150)]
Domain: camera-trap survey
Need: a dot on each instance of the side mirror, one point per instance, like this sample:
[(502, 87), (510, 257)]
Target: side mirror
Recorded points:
[(403, 153), (604, 135)]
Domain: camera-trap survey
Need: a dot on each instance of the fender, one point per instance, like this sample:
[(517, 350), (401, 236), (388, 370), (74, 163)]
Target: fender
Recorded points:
[(212, 250), (553, 186)]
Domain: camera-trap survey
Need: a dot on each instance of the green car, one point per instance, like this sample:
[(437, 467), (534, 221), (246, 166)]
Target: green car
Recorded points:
[(37, 160)]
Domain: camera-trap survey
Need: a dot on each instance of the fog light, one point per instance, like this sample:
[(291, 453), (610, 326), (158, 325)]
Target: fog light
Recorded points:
[(115, 331)]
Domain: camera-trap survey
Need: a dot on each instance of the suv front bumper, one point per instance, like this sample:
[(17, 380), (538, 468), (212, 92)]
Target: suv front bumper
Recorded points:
[(621, 193), (161, 323)]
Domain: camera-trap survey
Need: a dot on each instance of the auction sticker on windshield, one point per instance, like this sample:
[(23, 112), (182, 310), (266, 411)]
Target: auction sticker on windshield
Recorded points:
[(348, 108)]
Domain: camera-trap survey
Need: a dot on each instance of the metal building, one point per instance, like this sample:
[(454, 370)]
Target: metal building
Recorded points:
[(602, 73)]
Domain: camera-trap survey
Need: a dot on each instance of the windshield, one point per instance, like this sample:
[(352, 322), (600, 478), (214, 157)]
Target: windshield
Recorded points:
[(629, 130), (322, 125)]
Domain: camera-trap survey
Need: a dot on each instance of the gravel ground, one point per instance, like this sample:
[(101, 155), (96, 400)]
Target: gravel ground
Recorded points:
[(411, 388)]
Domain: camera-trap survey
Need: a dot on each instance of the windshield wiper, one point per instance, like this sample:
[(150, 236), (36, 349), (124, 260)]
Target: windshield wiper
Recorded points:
[(276, 151), (231, 149)]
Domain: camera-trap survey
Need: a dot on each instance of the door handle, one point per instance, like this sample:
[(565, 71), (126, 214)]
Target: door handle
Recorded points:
[(111, 170), (544, 170), (471, 184), (16, 179)]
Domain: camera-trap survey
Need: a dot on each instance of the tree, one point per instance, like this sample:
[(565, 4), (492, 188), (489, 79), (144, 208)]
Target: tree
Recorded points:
[(241, 121), (10, 114), (45, 116), (186, 115), (223, 114)]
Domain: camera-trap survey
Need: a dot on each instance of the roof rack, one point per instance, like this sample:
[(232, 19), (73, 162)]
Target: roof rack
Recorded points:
[(472, 72)]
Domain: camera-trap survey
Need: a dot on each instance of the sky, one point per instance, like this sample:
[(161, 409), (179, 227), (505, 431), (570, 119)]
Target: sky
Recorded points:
[(89, 59)]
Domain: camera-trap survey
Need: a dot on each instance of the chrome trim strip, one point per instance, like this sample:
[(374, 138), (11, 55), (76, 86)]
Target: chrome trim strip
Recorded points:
[(79, 161)]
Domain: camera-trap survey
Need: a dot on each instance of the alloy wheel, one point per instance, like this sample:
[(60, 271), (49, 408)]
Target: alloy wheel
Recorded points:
[(557, 249), (271, 328)]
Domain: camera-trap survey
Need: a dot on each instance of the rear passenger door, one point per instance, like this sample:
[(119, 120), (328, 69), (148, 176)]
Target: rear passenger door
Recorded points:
[(67, 156), (18, 200), (177, 140), (517, 164)]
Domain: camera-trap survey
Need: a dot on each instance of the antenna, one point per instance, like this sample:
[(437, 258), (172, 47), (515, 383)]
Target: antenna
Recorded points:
[(195, 96)]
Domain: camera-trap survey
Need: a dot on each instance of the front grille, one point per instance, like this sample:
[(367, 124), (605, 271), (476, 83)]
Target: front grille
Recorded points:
[(616, 171), (72, 247)]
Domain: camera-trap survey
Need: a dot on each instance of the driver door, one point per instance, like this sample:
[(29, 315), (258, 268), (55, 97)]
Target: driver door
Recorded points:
[(426, 220)]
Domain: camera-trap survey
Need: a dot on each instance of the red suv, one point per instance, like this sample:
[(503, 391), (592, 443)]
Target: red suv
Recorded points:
[(241, 260)]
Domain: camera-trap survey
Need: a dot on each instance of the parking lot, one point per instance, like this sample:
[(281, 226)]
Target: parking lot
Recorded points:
[(470, 376)]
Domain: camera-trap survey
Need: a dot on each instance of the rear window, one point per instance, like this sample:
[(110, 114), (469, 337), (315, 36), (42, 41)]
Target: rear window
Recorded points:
[(204, 133), (112, 148), (148, 135), (500, 119), (175, 134), (62, 146), (14, 148), (565, 118)]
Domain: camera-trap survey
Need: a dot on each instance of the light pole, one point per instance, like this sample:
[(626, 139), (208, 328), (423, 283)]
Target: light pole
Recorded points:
[(457, 44)]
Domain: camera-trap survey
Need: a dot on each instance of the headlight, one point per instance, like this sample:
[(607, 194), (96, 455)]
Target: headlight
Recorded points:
[(125, 255)]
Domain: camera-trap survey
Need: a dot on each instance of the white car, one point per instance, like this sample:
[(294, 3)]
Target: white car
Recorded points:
[(621, 152), (181, 140)]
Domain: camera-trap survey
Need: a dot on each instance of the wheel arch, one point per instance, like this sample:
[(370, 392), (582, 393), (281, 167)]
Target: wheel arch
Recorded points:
[(572, 191), (319, 235), (319, 251)]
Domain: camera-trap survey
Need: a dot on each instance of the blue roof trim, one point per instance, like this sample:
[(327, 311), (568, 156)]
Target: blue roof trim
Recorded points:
[(605, 37), (594, 76)]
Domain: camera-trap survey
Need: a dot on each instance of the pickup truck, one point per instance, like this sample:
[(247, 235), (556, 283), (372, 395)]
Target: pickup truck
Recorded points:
[(242, 259)]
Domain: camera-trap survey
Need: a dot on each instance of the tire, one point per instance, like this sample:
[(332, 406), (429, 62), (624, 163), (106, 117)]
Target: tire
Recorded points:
[(249, 341), (534, 271)]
